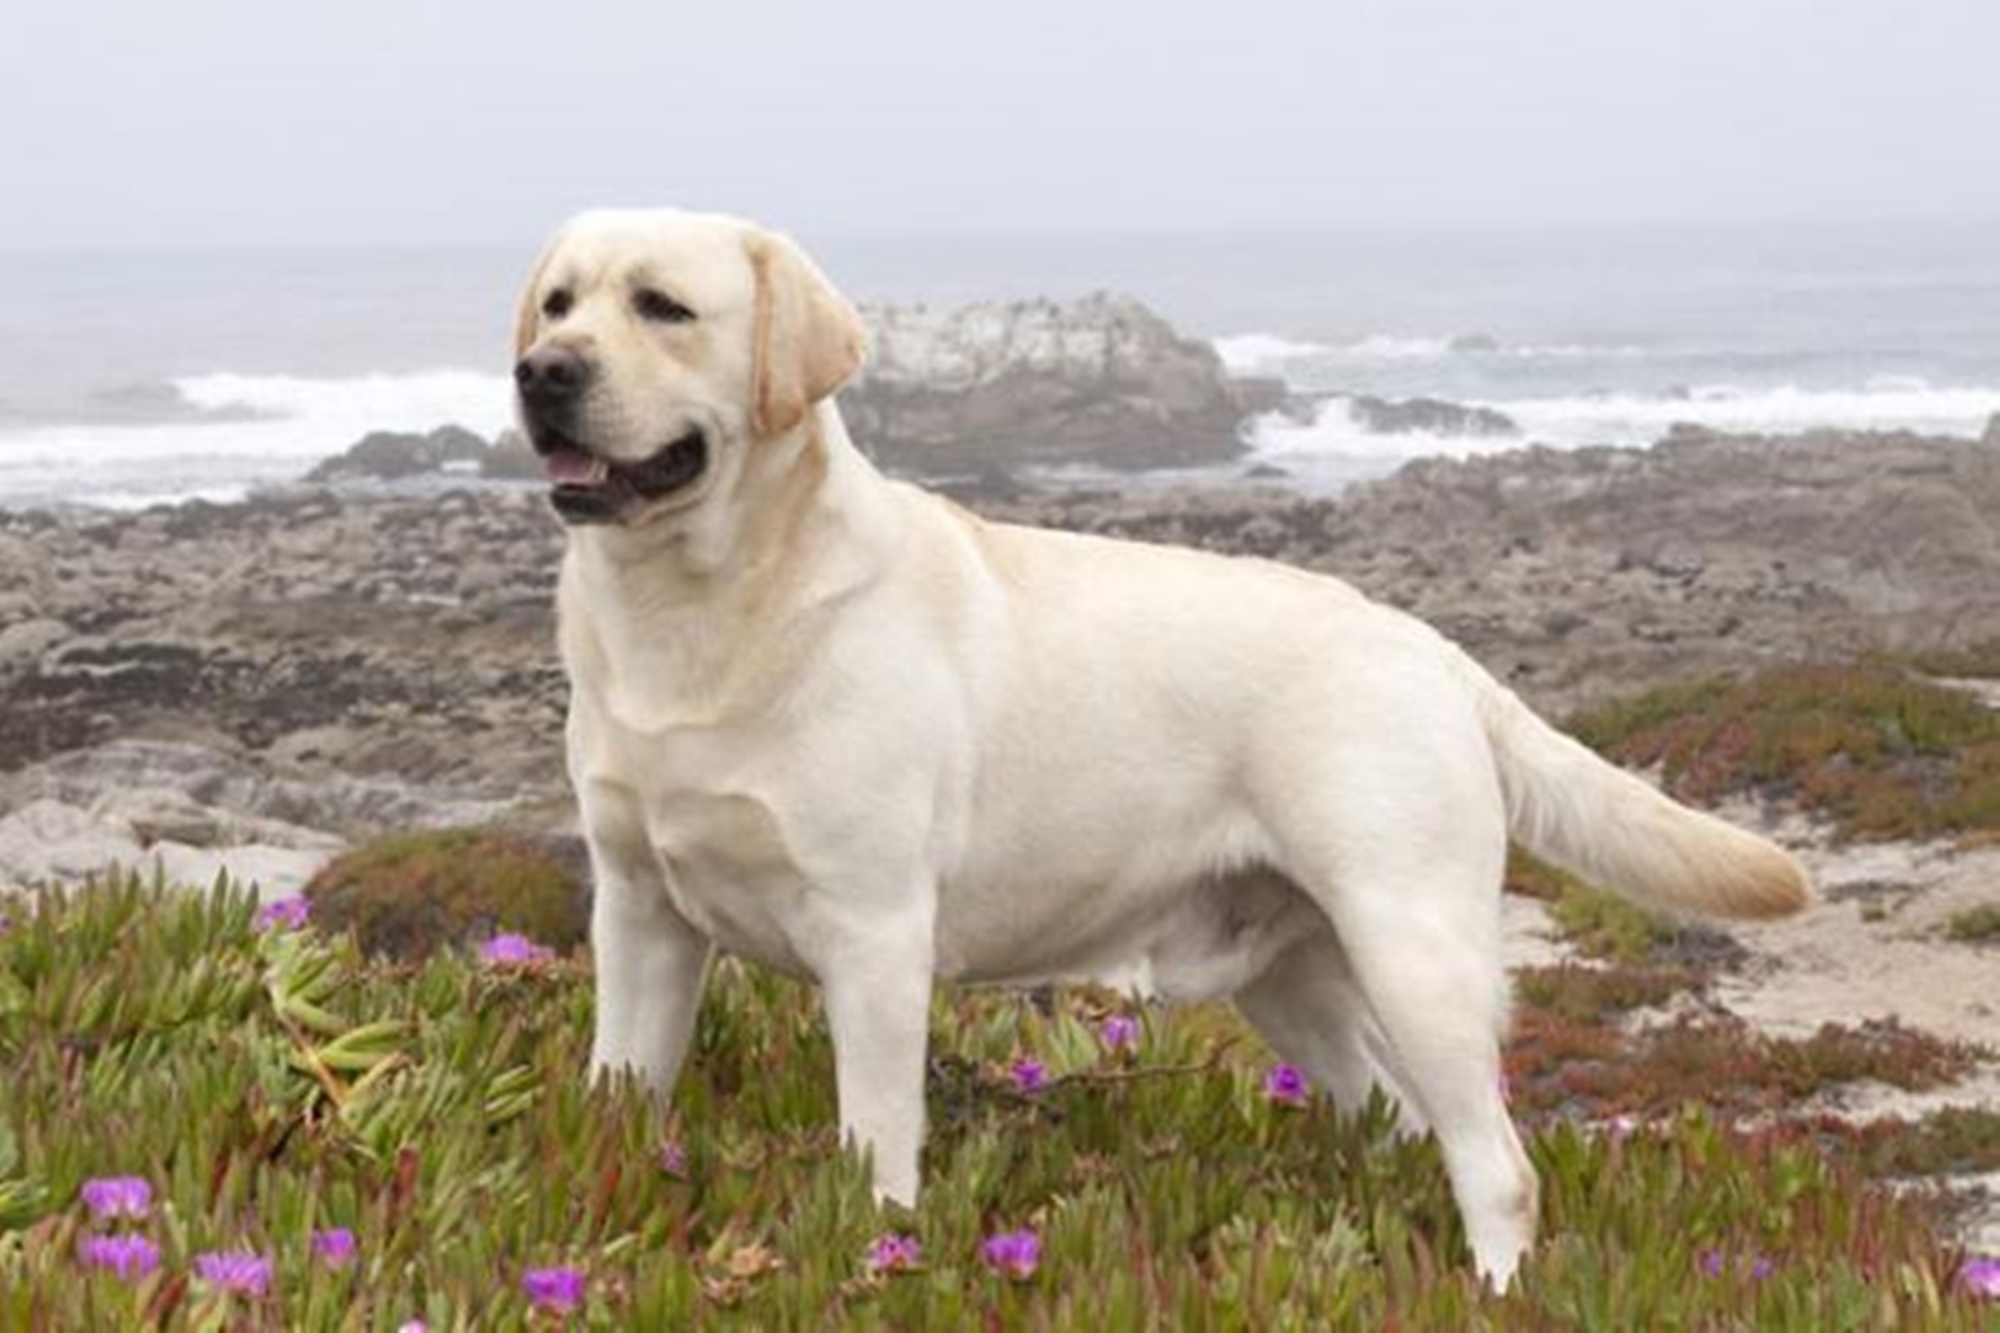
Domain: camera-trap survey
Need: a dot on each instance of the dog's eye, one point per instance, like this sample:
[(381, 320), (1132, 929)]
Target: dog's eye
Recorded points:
[(557, 303), (657, 305)]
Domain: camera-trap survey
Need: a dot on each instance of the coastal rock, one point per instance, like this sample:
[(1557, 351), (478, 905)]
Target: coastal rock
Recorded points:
[(393, 456), (46, 841), (26, 641), (275, 872), (1991, 439), (1102, 381), (1427, 416)]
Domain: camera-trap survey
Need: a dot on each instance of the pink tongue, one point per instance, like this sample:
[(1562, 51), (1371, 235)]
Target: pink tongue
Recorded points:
[(571, 467)]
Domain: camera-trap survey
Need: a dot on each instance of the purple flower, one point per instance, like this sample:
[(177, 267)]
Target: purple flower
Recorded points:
[(558, 1289), (514, 951), (130, 1257), (674, 1160), (234, 1270), (1981, 1275), (1714, 1264), (284, 914), (1120, 1032), (1029, 1075), (413, 1326), (334, 1247), (1014, 1254), (110, 1197), (893, 1253), (1285, 1085)]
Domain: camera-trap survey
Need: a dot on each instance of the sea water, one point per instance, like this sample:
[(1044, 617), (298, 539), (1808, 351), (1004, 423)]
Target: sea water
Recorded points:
[(137, 377)]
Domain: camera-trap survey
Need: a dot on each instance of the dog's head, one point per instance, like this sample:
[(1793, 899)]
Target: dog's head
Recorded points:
[(654, 349)]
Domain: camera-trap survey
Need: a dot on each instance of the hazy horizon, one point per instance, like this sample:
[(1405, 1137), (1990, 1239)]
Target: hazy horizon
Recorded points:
[(229, 124)]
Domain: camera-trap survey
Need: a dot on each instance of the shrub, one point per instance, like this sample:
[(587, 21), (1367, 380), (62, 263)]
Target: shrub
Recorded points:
[(406, 895), (1975, 925), (1876, 749)]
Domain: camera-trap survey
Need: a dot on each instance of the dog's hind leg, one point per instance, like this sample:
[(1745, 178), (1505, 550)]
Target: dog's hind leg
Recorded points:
[(1310, 1011), (1403, 847)]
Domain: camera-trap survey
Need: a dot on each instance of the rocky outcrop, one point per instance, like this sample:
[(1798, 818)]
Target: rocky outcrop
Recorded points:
[(393, 455), (1427, 416), (452, 450), (995, 388), (155, 829)]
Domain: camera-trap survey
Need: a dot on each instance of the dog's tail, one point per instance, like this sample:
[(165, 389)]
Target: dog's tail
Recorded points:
[(1595, 820)]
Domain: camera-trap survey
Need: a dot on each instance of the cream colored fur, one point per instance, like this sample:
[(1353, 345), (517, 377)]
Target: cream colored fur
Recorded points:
[(835, 724)]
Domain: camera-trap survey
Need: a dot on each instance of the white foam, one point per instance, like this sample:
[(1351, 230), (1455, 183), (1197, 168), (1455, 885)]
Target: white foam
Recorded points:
[(1900, 404), (1390, 347), (418, 401), (1268, 354), (298, 421), (1331, 447)]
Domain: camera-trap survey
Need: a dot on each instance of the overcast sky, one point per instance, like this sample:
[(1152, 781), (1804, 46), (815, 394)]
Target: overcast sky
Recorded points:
[(228, 122)]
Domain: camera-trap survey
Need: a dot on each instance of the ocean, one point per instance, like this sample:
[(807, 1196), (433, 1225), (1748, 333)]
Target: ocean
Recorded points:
[(134, 378)]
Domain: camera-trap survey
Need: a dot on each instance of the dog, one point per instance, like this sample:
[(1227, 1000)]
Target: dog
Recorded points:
[(838, 725)]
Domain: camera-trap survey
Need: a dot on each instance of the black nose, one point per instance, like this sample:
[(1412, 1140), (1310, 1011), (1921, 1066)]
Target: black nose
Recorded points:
[(551, 375)]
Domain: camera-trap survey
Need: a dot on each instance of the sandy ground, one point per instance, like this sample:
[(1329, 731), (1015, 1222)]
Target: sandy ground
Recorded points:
[(1874, 947)]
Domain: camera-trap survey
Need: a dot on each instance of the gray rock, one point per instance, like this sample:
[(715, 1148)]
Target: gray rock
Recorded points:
[(394, 456), (275, 872), (1427, 416), (49, 842), (26, 641), (997, 387)]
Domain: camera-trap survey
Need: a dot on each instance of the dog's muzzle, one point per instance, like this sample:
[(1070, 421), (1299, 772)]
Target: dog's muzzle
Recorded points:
[(589, 488)]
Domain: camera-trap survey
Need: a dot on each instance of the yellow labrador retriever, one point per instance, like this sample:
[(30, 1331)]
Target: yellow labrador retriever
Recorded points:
[(835, 724)]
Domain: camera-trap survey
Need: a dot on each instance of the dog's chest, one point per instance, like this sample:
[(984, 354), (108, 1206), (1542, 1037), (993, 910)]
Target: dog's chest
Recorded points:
[(680, 806), (728, 871)]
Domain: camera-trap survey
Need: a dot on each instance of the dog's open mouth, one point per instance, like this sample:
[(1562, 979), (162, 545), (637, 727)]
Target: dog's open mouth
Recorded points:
[(589, 488)]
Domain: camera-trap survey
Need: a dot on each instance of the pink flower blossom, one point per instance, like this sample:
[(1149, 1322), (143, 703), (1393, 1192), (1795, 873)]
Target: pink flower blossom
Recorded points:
[(893, 1253), (1029, 1075), (1715, 1264), (131, 1257), (1285, 1085), (234, 1270), (1014, 1254), (284, 913), (510, 950), (1119, 1032), (558, 1289), (674, 1160), (1981, 1275), (413, 1326), (334, 1247), (112, 1197)]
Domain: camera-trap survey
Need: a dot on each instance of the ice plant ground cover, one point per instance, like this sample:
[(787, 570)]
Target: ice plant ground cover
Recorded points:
[(329, 1143)]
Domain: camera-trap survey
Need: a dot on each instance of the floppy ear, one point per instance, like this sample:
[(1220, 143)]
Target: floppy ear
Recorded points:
[(808, 342)]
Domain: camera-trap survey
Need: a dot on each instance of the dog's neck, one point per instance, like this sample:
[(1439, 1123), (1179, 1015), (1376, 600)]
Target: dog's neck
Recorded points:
[(694, 597)]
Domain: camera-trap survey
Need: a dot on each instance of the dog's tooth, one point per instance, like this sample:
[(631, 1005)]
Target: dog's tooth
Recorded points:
[(600, 472)]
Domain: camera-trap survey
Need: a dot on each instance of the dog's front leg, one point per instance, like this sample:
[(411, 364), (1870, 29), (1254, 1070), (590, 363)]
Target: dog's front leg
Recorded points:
[(875, 977), (650, 963)]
